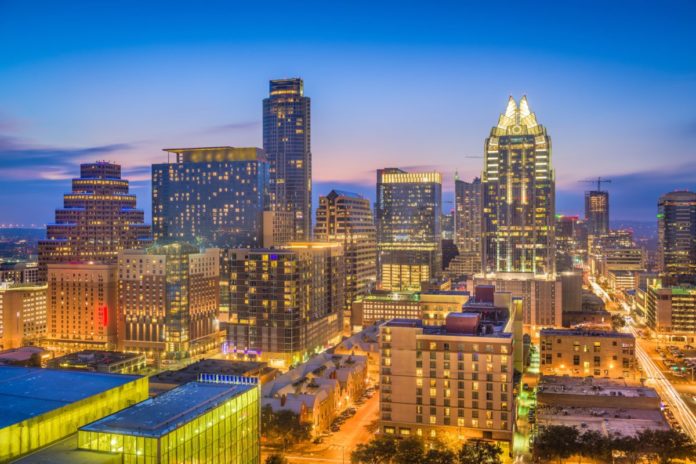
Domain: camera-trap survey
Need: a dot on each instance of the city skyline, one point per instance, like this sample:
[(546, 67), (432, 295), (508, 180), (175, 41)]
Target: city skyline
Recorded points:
[(615, 107)]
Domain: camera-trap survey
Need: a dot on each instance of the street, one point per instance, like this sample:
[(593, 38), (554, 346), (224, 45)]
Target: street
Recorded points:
[(655, 378), (338, 446)]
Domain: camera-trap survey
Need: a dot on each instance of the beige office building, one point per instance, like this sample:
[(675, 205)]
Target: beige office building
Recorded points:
[(583, 353), (22, 314), (448, 382), (81, 306), (168, 298)]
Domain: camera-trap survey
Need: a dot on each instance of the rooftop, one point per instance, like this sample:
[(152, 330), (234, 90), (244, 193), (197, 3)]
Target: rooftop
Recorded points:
[(590, 386), (212, 366), (29, 392), (585, 333), (160, 415)]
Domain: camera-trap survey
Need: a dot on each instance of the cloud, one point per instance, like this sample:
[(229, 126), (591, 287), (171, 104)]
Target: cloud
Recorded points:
[(232, 127), (21, 160)]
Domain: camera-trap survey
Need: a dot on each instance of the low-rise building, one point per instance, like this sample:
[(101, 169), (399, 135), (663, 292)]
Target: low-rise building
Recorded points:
[(318, 390), (27, 356), (40, 406), (431, 306), (603, 405), (170, 379), (583, 353), (22, 314), (215, 419), (115, 362), (364, 343)]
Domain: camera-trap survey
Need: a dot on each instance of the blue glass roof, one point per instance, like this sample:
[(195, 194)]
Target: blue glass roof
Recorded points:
[(29, 392), (160, 415)]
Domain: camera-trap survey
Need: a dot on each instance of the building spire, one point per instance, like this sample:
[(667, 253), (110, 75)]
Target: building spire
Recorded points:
[(524, 107), (511, 108)]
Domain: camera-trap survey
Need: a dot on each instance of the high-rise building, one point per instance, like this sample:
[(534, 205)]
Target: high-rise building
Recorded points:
[(168, 298), (286, 140), (212, 195), (98, 219), (346, 218), (453, 380), (285, 304), (467, 228), (81, 306), (518, 195), (676, 231), (597, 212), (22, 314), (408, 210), (568, 247)]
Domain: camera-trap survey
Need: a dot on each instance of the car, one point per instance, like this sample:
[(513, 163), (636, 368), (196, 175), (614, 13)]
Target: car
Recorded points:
[(318, 440)]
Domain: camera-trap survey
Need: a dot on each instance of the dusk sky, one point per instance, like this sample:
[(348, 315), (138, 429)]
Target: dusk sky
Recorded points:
[(398, 84)]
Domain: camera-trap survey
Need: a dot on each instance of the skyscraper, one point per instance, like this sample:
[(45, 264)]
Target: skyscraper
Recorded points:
[(676, 231), (518, 195), (168, 298), (346, 217), (409, 209), (98, 219), (285, 304), (467, 228), (597, 212), (286, 139), (214, 195)]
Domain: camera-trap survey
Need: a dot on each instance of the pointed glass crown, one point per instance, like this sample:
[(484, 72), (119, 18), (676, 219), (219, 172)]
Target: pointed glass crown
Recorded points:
[(517, 115)]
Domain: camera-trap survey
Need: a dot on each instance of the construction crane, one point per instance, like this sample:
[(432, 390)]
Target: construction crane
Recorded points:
[(599, 182)]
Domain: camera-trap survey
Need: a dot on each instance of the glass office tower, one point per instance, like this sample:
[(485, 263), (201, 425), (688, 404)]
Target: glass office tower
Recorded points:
[(518, 195), (213, 195), (676, 231), (286, 139), (409, 210)]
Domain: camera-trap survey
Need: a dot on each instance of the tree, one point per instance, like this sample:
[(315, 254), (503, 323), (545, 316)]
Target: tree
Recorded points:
[(667, 445), (440, 456), (276, 459), (479, 452), (629, 446), (556, 441), (617, 321), (593, 444), (283, 426), (410, 451), (380, 450)]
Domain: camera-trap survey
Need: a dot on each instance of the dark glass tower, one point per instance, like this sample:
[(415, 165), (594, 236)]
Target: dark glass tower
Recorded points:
[(286, 139), (676, 231), (98, 219), (213, 196), (597, 212), (518, 195), (408, 210)]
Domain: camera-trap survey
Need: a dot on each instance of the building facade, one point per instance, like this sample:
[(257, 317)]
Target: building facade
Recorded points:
[(81, 307), (408, 211), (518, 195), (168, 300), (22, 314), (584, 353), (676, 232), (467, 228), (213, 195), (286, 140), (446, 382), (671, 310), (597, 212), (285, 304), (346, 218), (98, 219)]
